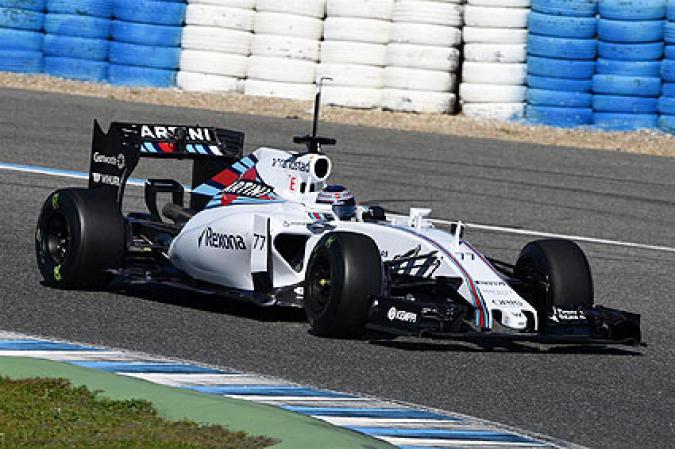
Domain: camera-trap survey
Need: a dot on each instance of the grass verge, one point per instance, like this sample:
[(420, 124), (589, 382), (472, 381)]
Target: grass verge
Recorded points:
[(53, 414)]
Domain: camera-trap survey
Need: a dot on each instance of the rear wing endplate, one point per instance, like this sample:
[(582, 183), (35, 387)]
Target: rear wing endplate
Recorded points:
[(115, 154)]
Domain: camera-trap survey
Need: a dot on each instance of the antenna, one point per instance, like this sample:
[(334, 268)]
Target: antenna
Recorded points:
[(313, 141)]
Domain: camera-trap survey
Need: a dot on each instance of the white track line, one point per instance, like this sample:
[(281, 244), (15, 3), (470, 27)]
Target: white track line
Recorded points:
[(179, 380), (454, 444), (141, 182), (578, 238), (65, 356)]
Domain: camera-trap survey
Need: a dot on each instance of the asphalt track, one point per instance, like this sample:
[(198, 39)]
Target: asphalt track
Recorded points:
[(600, 398)]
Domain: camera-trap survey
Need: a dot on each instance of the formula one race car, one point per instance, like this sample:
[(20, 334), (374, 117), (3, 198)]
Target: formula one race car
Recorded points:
[(268, 228)]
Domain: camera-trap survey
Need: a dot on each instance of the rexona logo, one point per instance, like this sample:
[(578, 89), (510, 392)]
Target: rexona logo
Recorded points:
[(212, 239), (291, 164), (167, 132), (117, 161), (401, 315), (244, 187)]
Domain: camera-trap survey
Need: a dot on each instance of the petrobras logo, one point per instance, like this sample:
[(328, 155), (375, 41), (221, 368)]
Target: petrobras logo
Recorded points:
[(401, 315), (117, 161), (192, 133), (212, 239), (291, 164), (566, 315)]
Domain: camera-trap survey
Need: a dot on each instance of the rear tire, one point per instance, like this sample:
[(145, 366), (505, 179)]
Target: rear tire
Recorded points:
[(80, 234), (564, 266), (343, 273)]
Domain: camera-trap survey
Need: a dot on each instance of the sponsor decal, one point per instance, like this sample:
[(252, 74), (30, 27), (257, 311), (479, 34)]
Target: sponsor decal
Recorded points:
[(424, 265), (562, 315), (329, 241), (111, 180), (118, 161), (401, 315), (291, 164), (212, 239), (55, 201), (493, 283), (497, 292), (244, 187), (466, 256), (506, 302), (57, 273), (193, 133)]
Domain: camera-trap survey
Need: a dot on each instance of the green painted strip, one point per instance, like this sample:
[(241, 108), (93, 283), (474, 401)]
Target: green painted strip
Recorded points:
[(294, 430)]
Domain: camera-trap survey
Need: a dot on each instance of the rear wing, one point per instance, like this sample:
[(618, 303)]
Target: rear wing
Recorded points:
[(115, 154)]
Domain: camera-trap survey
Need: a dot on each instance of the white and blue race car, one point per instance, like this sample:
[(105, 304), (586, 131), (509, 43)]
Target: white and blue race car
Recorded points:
[(269, 228)]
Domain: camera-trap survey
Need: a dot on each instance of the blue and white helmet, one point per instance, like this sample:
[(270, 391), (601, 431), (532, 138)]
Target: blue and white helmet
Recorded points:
[(342, 199)]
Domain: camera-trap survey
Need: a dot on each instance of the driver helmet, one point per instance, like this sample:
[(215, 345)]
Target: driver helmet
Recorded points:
[(342, 199)]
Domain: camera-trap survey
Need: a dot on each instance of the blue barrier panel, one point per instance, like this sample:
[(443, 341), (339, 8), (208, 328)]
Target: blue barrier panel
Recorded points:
[(561, 117), (561, 26), (21, 61), (76, 47), (11, 39), (94, 8), (34, 5), (561, 47), (21, 19), (637, 68), (540, 97), (613, 121), (80, 69), (146, 34), (126, 75), (144, 55), (145, 11), (74, 25), (627, 104), (566, 84), (632, 9), (574, 8)]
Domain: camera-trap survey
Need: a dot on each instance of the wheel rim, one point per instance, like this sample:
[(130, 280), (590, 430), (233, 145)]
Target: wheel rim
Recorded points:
[(58, 238), (320, 283)]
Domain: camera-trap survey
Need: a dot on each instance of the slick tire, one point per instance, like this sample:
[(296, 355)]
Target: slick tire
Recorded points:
[(343, 273), (79, 235), (564, 267)]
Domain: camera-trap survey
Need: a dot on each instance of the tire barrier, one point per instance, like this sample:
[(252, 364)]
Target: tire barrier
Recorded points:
[(145, 50), (400, 55), (354, 52), (666, 103), (421, 58), (21, 39), (627, 82), (216, 45), (494, 70), (76, 44), (285, 49), (561, 49)]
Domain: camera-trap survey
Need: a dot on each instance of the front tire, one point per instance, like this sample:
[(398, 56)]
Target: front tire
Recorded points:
[(564, 267), (80, 234), (343, 274)]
